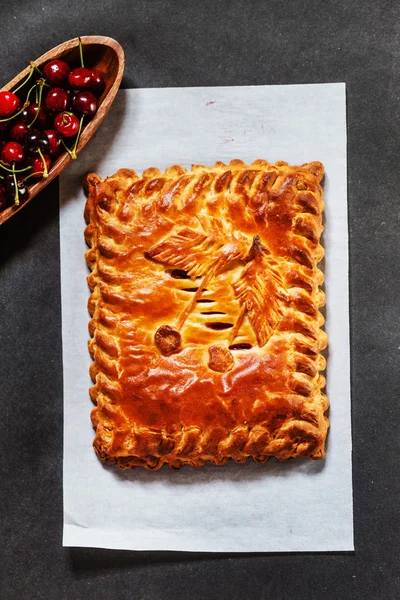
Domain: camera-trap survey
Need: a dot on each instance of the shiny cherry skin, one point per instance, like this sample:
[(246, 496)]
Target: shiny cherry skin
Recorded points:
[(38, 166), (9, 104), (80, 78), (12, 152), (85, 103), (54, 142), (3, 198), (36, 139), (57, 100), (97, 82), (24, 116), (66, 124), (41, 120), (18, 131), (56, 72)]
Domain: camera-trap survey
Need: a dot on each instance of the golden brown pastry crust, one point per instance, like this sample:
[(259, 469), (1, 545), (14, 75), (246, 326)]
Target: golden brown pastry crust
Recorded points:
[(205, 326)]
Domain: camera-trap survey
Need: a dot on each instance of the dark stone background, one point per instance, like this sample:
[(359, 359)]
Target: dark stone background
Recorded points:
[(190, 43)]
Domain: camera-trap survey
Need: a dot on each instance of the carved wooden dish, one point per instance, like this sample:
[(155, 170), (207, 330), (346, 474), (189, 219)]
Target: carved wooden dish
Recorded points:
[(101, 53)]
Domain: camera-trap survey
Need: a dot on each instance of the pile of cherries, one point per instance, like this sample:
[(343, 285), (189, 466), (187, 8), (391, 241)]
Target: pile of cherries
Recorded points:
[(36, 126)]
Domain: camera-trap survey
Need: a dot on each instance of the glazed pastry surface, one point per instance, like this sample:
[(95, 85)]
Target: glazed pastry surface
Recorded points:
[(205, 323)]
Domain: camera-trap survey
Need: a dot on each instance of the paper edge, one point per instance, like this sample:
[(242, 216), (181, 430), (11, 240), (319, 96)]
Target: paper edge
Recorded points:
[(78, 537), (108, 539)]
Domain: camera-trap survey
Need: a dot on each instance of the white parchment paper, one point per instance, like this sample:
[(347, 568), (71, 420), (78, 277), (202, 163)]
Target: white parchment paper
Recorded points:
[(301, 505)]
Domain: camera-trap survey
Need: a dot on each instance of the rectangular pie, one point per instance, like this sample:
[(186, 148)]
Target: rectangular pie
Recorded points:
[(206, 331)]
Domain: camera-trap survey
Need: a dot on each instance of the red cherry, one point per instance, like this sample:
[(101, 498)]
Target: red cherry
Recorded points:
[(3, 198), (54, 142), (56, 71), (97, 82), (66, 124), (9, 104), (38, 166), (85, 103), (18, 131), (57, 99), (12, 152), (80, 78), (41, 120)]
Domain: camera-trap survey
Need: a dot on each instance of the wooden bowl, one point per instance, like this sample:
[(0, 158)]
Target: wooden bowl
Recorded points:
[(101, 53)]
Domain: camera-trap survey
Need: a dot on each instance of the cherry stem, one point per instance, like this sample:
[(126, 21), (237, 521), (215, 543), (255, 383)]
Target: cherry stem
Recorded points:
[(33, 174), (81, 52), (14, 170), (31, 72), (64, 120), (29, 93), (73, 153), (45, 171), (16, 195), (40, 83), (66, 147), (34, 66)]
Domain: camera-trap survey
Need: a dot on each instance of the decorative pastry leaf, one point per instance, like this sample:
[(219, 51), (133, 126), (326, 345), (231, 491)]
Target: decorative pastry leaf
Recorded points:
[(196, 252), (260, 291), (182, 249)]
